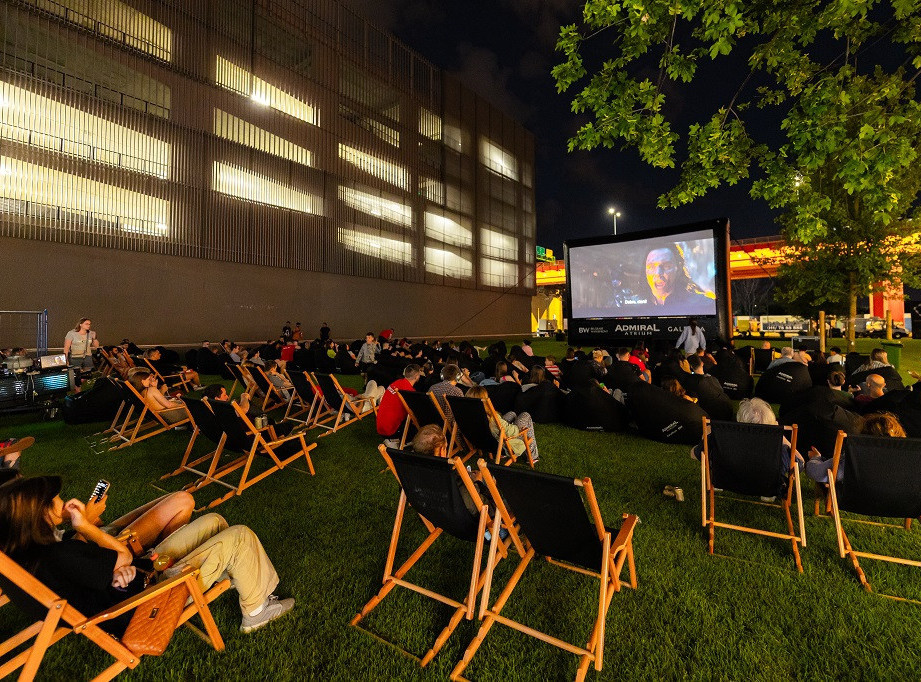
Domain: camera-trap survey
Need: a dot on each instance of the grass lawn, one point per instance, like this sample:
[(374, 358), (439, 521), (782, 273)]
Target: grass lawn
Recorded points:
[(746, 614)]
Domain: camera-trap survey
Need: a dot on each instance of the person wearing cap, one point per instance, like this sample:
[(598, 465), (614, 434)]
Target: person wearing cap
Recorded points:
[(98, 573)]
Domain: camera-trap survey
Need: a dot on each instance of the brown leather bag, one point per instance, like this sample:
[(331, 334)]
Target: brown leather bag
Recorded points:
[(154, 622)]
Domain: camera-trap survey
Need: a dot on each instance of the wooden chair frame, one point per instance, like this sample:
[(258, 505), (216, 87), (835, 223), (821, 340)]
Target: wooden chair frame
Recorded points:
[(455, 443), (63, 619), (336, 416), (180, 376), (708, 492), (264, 442), (393, 578), (291, 413), (150, 423), (615, 553), (273, 397), (845, 549), (412, 420)]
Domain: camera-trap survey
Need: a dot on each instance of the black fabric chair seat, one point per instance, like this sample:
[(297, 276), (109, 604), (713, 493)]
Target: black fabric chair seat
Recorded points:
[(503, 396), (882, 477), (709, 394), (472, 421), (783, 381), (747, 458), (422, 407), (543, 402), (664, 417), (762, 358)]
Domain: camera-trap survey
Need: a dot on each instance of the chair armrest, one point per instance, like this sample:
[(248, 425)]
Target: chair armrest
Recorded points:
[(291, 437), (121, 607), (625, 532)]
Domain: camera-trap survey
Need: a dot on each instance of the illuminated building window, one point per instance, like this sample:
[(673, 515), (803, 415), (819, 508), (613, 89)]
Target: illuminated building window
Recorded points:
[(453, 137), (238, 182), (115, 20), (237, 130), (238, 79), (447, 263), (46, 123), (41, 192), (498, 273), (499, 160), (376, 245), (430, 125), (433, 190), (386, 133), (386, 209), (498, 245), (447, 230), (383, 170)]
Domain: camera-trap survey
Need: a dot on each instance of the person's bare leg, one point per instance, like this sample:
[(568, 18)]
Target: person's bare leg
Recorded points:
[(159, 518)]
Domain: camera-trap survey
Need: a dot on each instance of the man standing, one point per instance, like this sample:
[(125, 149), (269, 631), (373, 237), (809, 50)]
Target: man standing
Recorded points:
[(324, 332)]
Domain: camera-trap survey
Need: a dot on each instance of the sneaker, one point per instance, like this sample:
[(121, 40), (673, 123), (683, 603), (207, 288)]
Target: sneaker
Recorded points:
[(11, 445), (769, 499), (392, 443), (197, 387), (272, 608)]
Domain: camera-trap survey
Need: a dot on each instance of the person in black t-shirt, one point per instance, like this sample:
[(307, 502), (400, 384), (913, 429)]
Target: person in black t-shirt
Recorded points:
[(622, 373)]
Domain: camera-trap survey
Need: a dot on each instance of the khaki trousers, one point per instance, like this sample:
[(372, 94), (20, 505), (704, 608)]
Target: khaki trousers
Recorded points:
[(208, 544)]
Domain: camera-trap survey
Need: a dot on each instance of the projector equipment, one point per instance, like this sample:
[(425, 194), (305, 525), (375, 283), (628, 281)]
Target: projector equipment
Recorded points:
[(807, 343), (32, 390), (51, 361)]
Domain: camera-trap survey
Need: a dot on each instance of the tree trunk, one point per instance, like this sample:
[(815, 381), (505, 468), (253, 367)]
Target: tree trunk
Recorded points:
[(851, 311)]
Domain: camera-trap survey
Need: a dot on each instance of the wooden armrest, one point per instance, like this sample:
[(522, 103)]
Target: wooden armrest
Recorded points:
[(121, 607), (625, 532), (287, 438)]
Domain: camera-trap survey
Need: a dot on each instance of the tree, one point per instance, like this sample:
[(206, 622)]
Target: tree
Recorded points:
[(840, 157), (748, 295)]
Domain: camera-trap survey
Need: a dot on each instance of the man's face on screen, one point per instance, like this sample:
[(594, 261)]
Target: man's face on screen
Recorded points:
[(660, 272)]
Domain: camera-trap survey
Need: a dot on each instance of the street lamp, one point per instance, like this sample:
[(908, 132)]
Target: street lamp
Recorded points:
[(615, 214)]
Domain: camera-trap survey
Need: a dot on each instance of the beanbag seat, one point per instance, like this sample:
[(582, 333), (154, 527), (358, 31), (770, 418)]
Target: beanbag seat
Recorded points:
[(783, 381), (664, 417)]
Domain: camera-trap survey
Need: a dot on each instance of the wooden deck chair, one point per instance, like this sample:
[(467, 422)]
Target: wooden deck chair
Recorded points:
[(472, 420), (303, 399), (150, 423), (206, 424), (100, 441), (882, 477), (53, 619), (746, 459), (432, 487), (239, 378), (761, 358), (273, 397), (108, 363), (239, 435), (552, 516), (340, 407), (172, 380), (422, 409)]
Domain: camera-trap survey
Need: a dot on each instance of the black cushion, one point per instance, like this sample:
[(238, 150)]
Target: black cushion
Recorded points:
[(665, 417), (710, 395), (734, 379), (543, 402), (591, 407), (783, 381)]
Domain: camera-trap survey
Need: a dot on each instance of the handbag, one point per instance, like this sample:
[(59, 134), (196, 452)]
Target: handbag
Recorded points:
[(154, 622)]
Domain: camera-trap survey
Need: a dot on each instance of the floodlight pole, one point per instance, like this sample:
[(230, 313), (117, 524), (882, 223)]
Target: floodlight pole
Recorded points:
[(614, 213)]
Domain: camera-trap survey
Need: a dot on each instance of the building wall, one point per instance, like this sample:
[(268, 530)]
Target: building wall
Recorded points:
[(171, 299), (287, 134)]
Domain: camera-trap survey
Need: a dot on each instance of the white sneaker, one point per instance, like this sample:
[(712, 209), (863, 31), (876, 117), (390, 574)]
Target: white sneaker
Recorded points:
[(272, 608), (392, 443)]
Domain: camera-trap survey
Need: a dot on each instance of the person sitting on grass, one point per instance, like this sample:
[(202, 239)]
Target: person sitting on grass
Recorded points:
[(552, 369), (512, 424), (875, 387), (673, 386), (169, 410), (882, 424), (96, 572)]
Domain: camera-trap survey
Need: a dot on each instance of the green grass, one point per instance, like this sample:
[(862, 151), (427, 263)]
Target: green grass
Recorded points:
[(746, 614)]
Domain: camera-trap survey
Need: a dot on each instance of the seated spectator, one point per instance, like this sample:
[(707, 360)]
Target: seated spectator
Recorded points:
[(673, 386), (390, 413), (536, 377), (512, 424), (568, 361), (786, 355), (169, 410), (622, 373), (599, 369), (552, 369), (834, 356), (526, 348), (878, 358), (165, 369), (501, 375), (450, 375), (875, 387), (880, 424), (707, 390), (430, 440), (279, 380), (96, 573), (637, 357)]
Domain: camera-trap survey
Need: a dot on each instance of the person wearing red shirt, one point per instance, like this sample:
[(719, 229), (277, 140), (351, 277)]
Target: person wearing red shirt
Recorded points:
[(390, 413), (636, 358)]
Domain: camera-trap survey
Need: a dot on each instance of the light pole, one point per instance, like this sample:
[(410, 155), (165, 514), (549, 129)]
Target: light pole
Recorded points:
[(615, 214)]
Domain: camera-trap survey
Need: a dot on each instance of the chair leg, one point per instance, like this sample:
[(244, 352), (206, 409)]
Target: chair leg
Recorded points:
[(793, 538), (42, 640), (853, 557)]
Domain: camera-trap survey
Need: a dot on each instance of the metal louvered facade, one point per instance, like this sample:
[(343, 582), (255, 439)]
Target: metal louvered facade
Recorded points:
[(282, 133)]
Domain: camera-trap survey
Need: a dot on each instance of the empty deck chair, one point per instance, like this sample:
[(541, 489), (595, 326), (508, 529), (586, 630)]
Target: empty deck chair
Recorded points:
[(339, 407), (240, 377), (240, 436), (472, 419), (303, 399), (432, 487), (552, 516), (53, 619), (882, 478), (747, 459)]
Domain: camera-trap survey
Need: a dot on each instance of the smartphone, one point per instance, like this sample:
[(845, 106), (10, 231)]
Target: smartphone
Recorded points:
[(102, 487)]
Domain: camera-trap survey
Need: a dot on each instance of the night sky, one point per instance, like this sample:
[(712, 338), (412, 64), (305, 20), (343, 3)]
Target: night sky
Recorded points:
[(503, 50)]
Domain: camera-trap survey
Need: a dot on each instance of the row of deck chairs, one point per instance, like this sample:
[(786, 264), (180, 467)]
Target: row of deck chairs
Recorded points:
[(529, 513), (471, 433), (882, 478)]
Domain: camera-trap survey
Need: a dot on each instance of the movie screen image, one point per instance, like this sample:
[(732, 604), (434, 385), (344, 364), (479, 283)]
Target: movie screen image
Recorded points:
[(659, 276)]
